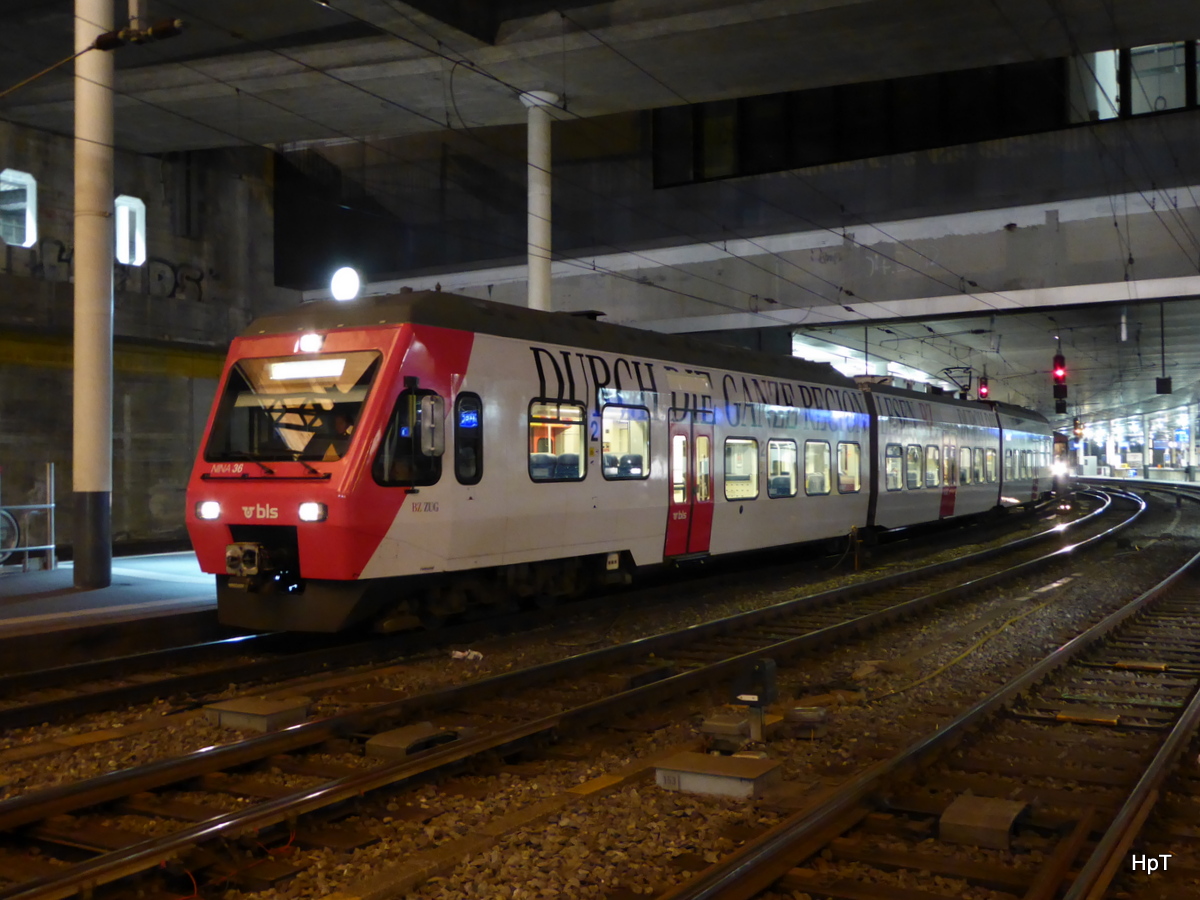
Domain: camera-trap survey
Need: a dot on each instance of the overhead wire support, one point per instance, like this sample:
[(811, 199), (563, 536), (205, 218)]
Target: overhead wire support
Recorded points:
[(109, 40)]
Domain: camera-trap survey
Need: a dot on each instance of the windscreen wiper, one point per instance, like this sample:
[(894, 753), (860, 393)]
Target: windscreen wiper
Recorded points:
[(307, 467)]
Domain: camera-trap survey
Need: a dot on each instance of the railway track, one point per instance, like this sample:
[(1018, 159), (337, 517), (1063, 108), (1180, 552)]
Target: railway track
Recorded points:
[(183, 674), (137, 819), (1038, 791)]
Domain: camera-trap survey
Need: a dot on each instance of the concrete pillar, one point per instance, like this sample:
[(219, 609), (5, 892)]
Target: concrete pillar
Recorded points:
[(1191, 448), (1147, 449), (92, 446), (538, 168)]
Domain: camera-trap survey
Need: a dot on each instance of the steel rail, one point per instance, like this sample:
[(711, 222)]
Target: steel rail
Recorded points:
[(1182, 488), (30, 808), (334, 655), (760, 863), (1095, 875)]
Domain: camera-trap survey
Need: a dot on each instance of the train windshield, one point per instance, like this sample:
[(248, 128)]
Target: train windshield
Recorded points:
[(292, 407)]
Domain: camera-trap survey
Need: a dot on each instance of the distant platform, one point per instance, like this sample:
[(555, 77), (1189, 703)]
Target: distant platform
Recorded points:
[(167, 588)]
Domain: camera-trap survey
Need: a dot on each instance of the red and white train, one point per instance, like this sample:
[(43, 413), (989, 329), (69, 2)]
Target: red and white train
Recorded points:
[(402, 458)]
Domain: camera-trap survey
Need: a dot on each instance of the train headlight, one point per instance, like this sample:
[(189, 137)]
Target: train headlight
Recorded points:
[(1058, 469), (313, 512), (208, 509), (310, 342)]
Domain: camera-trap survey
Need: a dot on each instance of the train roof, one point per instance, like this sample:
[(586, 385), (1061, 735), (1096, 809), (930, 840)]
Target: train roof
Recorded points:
[(1014, 414), (945, 399), (445, 310), (1021, 414)]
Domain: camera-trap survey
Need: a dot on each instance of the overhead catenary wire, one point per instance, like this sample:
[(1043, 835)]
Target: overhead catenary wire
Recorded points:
[(577, 262), (1119, 40), (964, 284), (478, 69), (848, 293), (631, 279), (962, 280), (516, 89)]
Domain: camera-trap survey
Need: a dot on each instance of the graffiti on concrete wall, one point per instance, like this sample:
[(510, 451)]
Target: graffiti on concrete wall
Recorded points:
[(51, 259)]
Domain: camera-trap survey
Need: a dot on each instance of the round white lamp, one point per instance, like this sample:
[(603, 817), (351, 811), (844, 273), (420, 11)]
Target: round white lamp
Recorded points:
[(344, 284)]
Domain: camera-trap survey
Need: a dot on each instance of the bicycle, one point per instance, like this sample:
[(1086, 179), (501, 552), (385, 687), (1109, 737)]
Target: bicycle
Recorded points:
[(10, 534)]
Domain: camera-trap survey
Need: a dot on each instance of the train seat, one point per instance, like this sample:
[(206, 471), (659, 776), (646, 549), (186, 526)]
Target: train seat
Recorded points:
[(567, 466), (541, 466), (779, 486), (630, 466), (611, 465)]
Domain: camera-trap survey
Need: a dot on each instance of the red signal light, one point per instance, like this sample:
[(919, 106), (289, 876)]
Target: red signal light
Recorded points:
[(983, 389), (1060, 369)]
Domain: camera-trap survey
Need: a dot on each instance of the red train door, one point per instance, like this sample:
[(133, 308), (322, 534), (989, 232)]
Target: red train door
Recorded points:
[(690, 510)]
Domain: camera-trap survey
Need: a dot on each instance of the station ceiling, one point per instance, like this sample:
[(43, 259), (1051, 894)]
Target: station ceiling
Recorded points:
[(281, 72), (1114, 353)]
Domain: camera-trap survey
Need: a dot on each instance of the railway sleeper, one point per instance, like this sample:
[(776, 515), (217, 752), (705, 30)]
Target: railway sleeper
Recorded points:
[(989, 875), (954, 783)]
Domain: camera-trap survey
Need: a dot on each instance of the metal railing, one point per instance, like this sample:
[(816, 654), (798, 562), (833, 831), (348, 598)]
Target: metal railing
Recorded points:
[(17, 525)]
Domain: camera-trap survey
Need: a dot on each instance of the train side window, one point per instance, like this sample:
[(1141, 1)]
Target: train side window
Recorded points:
[(989, 465), (893, 463), (703, 472), (964, 465), (1024, 470), (978, 468), (1010, 471), (557, 451), (625, 431), (816, 467), (679, 468), (950, 466), (781, 469), (912, 467), (468, 438), (849, 468), (933, 466), (741, 468), (409, 453)]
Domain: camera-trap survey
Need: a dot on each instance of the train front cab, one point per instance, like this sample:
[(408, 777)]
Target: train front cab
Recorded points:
[(285, 505)]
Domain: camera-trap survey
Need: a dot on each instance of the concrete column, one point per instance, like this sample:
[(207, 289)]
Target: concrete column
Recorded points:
[(1191, 449), (538, 168), (92, 459), (1147, 449)]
